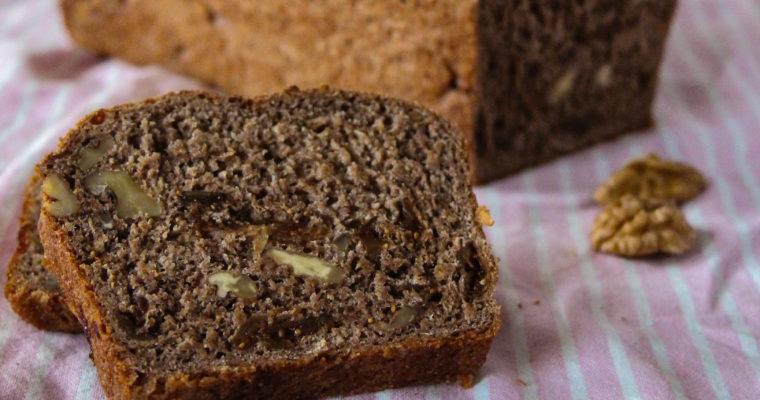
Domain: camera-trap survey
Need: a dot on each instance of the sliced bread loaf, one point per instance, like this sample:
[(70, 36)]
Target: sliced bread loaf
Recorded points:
[(301, 245), (33, 291)]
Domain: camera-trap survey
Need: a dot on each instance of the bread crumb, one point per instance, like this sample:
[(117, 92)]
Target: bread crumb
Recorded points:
[(484, 216), (522, 382)]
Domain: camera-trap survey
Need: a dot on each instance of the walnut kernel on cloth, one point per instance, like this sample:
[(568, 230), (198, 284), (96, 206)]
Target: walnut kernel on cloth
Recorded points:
[(651, 177), (634, 227)]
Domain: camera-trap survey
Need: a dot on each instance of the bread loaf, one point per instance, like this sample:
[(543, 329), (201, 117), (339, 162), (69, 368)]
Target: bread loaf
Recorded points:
[(525, 80)]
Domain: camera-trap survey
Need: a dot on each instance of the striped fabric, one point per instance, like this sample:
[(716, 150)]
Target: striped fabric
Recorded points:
[(577, 325)]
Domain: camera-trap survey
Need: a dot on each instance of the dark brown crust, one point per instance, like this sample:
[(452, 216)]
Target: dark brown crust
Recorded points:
[(36, 305), (451, 358)]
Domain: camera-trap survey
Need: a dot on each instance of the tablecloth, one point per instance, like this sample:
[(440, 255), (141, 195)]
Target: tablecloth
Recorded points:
[(577, 324)]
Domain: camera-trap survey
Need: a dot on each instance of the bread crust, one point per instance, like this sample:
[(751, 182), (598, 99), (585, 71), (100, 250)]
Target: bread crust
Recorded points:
[(41, 307), (333, 372)]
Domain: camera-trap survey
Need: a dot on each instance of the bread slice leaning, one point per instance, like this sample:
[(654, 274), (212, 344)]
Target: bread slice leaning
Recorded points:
[(306, 244), (33, 291)]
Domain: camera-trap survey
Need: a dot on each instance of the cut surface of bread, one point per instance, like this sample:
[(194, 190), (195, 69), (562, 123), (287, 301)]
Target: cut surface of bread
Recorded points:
[(526, 80), (33, 291), (301, 245)]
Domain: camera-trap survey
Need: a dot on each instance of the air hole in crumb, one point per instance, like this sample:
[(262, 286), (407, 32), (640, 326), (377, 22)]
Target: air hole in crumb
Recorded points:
[(122, 234), (436, 297), (159, 146), (299, 192), (70, 180), (141, 378), (134, 141), (142, 303), (396, 293)]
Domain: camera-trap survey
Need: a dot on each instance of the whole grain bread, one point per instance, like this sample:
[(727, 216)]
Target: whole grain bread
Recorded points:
[(525, 80), (33, 291), (301, 245)]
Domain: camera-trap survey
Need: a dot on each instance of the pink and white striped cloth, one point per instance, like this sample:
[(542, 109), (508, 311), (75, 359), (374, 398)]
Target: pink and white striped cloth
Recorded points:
[(577, 325)]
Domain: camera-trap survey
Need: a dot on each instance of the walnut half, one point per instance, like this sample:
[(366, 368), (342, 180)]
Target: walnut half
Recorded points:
[(58, 198), (651, 177), (634, 227)]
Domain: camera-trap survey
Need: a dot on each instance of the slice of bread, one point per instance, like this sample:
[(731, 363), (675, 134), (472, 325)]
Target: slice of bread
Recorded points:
[(306, 244), (32, 290)]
